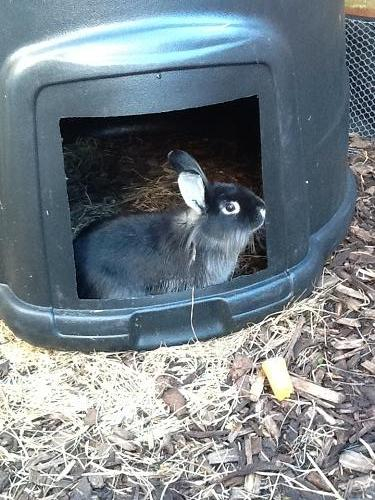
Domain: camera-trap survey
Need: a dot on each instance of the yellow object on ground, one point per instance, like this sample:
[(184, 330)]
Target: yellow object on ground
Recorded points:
[(278, 377)]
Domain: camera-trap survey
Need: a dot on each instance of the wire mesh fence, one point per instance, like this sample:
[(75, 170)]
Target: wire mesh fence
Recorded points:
[(360, 59)]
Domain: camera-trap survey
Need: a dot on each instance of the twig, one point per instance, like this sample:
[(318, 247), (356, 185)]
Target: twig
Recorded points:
[(317, 390), (215, 433), (257, 466), (296, 335), (324, 477)]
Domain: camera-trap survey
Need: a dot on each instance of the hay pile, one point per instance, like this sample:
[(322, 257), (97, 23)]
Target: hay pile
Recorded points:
[(179, 423)]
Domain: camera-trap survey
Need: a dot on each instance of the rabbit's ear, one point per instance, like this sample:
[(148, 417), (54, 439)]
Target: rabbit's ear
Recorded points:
[(183, 162), (192, 190)]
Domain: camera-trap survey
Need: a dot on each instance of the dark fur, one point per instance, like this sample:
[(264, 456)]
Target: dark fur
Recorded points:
[(150, 254)]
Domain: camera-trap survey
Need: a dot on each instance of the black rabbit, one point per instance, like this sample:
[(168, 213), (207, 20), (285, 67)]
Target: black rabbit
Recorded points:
[(156, 253)]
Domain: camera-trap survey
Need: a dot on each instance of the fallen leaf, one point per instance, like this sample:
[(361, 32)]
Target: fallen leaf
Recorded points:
[(241, 365), (175, 401)]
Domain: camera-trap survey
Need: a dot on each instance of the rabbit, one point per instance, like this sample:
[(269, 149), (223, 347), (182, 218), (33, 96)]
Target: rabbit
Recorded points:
[(192, 247)]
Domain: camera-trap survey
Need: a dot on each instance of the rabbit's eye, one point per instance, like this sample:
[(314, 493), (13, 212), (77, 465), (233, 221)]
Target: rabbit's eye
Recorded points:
[(230, 207)]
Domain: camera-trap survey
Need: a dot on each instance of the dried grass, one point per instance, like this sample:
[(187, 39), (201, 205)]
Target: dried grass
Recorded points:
[(47, 395)]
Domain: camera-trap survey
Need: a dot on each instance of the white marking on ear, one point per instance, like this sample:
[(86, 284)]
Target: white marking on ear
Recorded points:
[(192, 190)]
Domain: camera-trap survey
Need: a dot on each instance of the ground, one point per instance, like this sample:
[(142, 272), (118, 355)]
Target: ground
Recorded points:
[(187, 422)]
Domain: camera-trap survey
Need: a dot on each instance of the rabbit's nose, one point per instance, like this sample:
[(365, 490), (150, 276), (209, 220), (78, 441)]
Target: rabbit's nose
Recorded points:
[(262, 212)]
